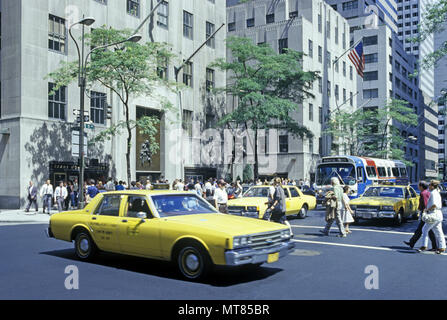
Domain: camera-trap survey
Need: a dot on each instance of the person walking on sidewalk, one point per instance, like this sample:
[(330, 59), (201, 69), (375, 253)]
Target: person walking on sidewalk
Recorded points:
[(32, 197), (333, 211), (60, 194), (221, 197), (46, 194), (423, 200), (432, 216)]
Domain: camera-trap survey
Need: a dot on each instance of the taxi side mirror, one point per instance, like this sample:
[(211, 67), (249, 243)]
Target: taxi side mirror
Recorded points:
[(142, 215)]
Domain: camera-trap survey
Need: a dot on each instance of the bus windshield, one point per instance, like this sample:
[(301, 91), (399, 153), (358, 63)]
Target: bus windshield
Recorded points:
[(345, 172)]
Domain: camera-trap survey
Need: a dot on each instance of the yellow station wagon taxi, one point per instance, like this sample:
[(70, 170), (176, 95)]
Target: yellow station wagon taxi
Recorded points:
[(170, 225), (386, 201), (253, 203)]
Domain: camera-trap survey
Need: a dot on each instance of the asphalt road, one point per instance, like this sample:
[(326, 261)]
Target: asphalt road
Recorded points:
[(33, 267)]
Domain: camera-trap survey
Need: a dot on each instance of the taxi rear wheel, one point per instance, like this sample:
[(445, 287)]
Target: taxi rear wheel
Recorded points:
[(193, 262), (85, 248), (303, 212)]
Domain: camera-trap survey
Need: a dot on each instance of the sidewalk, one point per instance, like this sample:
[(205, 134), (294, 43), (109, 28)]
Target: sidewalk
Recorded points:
[(20, 216)]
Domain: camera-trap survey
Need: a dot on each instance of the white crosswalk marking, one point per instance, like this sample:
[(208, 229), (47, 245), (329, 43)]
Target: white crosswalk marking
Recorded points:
[(355, 229)]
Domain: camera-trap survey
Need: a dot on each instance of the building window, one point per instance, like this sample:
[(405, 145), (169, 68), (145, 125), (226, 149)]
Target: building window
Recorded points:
[(344, 95), (209, 31), (328, 88), (320, 85), (187, 25), (187, 122), (187, 74), (133, 7), (102, 1), (344, 69), (282, 44), (320, 114), (210, 81), (231, 26), (57, 34), (370, 76), (57, 102), (369, 41), (270, 18), (250, 22), (351, 73), (350, 5), (97, 107), (284, 144), (370, 93), (311, 112), (336, 92), (351, 98), (162, 68), (163, 14), (311, 146), (311, 49), (371, 58), (320, 54), (320, 24)]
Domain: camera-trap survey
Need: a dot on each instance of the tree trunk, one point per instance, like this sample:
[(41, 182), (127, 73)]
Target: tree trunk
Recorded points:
[(129, 143)]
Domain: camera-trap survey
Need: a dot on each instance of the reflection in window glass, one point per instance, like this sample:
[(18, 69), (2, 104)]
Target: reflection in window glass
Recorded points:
[(179, 205)]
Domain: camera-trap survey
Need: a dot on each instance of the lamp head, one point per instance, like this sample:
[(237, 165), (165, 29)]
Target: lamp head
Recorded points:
[(135, 38), (87, 21)]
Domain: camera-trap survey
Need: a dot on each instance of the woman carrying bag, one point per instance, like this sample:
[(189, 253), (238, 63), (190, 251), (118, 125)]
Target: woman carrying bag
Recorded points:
[(432, 216), (346, 215)]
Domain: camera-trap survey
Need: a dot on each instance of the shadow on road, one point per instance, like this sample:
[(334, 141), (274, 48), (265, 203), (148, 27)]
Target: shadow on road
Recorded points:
[(221, 276)]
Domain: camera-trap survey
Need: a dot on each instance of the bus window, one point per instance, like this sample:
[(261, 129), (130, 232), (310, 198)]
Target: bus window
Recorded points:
[(396, 172), (382, 171), (389, 172), (371, 172), (360, 174), (403, 172)]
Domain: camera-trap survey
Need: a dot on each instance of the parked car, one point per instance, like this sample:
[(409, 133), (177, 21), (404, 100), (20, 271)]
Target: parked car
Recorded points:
[(175, 226), (386, 202), (253, 203)]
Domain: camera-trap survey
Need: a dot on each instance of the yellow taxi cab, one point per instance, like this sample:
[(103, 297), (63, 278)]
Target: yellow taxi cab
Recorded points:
[(173, 226), (386, 202), (253, 203)]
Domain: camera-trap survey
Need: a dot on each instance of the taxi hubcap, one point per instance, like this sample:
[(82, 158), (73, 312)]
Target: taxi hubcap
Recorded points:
[(84, 245), (192, 262)]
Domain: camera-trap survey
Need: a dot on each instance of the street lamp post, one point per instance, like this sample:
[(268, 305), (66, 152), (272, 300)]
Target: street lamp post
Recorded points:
[(82, 75)]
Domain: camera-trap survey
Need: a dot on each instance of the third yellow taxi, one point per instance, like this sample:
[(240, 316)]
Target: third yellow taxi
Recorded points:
[(386, 202), (253, 203)]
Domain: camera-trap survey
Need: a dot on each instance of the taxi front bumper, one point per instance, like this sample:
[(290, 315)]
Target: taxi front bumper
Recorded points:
[(375, 214), (252, 256)]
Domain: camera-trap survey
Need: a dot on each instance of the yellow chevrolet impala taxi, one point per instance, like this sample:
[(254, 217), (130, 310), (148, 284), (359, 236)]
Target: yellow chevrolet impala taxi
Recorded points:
[(168, 225), (386, 202), (253, 204)]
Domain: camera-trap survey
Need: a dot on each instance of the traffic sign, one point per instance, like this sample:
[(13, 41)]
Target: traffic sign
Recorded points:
[(75, 143)]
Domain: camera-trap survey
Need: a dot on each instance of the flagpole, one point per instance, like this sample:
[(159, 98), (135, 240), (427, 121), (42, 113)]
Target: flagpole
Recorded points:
[(353, 46)]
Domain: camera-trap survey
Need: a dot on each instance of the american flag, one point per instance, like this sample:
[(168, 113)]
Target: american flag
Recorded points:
[(358, 58)]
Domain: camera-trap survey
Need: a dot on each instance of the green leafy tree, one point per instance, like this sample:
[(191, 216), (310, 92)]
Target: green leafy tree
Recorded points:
[(129, 70), (373, 132), (268, 86)]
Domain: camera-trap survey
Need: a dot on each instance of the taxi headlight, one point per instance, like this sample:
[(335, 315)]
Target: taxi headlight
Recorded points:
[(285, 234), (241, 241), (387, 208)]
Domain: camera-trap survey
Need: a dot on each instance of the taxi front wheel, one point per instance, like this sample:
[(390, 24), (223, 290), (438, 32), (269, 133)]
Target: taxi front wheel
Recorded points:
[(398, 219), (193, 262)]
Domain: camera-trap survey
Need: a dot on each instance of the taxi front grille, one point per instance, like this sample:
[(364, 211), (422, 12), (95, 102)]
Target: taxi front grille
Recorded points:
[(266, 240), (368, 208), (236, 210)]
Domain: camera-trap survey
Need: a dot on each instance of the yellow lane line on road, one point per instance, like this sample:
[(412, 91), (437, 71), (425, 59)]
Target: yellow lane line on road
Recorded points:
[(366, 230)]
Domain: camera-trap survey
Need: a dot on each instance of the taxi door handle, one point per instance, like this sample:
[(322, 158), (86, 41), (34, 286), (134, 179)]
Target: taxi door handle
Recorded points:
[(94, 218), (124, 220)]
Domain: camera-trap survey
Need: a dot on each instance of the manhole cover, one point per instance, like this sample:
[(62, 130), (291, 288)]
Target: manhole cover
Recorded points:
[(307, 253)]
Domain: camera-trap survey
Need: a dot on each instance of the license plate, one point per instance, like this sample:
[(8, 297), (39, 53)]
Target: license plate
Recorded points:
[(273, 257)]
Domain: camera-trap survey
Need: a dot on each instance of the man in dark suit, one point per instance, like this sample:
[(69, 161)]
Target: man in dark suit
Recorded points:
[(32, 197)]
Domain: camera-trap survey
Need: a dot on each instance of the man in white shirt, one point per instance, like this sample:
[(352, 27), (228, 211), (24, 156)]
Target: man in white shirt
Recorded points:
[(60, 194), (148, 185), (221, 197), (47, 195), (198, 188), (180, 186)]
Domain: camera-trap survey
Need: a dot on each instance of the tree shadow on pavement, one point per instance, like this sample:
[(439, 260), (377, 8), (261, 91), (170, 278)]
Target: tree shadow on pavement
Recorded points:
[(219, 277)]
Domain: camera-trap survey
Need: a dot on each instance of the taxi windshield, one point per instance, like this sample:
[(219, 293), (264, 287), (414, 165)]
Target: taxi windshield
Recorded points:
[(180, 205), (392, 192), (257, 192)]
